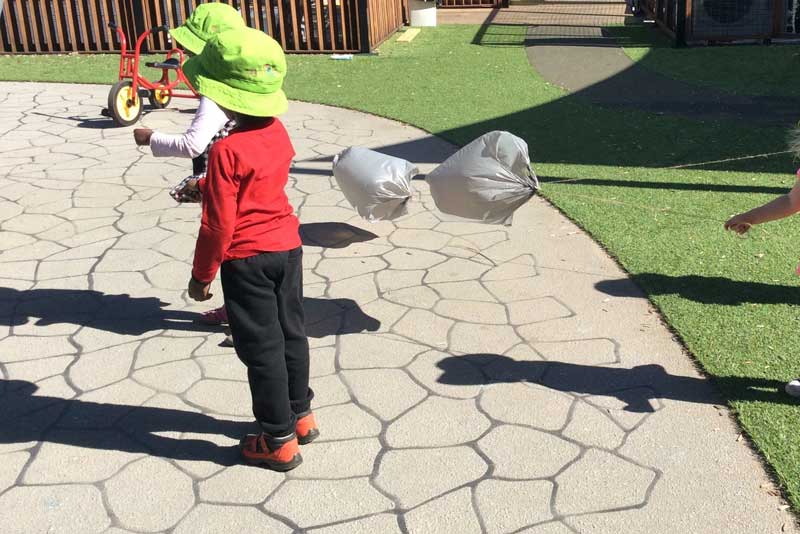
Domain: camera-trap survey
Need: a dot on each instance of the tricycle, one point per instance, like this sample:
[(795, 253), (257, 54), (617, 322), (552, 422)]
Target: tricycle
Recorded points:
[(125, 97)]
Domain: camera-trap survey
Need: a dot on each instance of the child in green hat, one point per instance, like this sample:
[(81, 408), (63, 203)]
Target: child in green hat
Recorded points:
[(249, 231), (209, 123)]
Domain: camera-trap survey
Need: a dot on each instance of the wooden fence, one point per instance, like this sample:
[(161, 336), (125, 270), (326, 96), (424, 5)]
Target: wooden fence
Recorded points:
[(472, 3), (301, 26)]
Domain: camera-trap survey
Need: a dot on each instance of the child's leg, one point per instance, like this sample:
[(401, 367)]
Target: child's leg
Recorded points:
[(292, 319), (250, 287)]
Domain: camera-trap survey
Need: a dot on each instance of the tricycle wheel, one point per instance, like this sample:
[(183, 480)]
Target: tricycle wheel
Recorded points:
[(160, 98), (124, 105)]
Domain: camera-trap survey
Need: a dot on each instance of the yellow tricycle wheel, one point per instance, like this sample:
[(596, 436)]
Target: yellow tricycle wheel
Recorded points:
[(125, 106), (160, 98)]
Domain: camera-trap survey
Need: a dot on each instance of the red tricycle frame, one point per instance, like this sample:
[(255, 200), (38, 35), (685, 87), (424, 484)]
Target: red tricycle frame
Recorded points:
[(125, 97)]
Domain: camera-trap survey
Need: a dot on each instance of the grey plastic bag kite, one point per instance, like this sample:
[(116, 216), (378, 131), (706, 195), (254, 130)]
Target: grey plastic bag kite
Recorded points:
[(487, 180), (376, 185)]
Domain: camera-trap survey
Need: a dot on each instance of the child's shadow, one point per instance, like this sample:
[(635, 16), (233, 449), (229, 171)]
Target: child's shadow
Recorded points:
[(26, 417)]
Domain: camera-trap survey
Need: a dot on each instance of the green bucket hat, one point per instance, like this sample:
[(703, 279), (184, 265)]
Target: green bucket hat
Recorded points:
[(241, 70), (205, 21)]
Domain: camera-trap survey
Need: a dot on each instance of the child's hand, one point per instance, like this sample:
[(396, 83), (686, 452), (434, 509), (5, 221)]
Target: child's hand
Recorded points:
[(142, 136), (739, 224), (199, 291)]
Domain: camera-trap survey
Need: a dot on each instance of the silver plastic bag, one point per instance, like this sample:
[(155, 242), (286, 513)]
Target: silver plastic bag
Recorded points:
[(376, 185), (487, 180)]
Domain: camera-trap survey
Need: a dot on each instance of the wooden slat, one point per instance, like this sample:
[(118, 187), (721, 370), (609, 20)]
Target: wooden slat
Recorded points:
[(20, 17), (307, 24), (318, 23), (97, 25), (44, 22), (329, 10), (282, 23), (8, 28), (343, 22), (270, 21), (81, 25), (295, 25)]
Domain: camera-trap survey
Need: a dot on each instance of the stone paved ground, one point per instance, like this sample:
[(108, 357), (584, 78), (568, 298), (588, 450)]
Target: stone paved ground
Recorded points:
[(469, 378)]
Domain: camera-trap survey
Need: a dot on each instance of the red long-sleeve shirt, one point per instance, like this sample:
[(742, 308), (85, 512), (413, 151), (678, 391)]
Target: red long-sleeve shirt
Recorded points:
[(245, 209)]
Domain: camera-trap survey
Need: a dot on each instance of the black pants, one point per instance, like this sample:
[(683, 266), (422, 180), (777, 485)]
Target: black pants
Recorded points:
[(264, 300)]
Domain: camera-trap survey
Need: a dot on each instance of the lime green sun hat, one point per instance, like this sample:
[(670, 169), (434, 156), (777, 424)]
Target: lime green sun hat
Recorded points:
[(205, 21), (241, 70)]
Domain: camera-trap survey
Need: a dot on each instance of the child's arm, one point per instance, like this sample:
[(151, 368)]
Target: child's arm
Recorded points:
[(220, 192), (208, 120), (778, 208)]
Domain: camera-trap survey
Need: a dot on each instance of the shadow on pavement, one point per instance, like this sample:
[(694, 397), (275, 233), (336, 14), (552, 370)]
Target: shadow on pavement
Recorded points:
[(637, 387), (25, 417), (134, 316)]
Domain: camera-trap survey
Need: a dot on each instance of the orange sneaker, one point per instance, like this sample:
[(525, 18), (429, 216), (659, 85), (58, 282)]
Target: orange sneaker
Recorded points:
[(278, 454), (306, 428)]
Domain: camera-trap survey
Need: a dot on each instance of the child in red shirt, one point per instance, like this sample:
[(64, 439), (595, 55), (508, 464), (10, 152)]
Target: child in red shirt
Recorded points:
[(250, 232)]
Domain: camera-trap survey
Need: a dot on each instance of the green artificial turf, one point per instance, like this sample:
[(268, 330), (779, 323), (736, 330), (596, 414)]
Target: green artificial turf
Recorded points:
[(740, 69), (732, 300)]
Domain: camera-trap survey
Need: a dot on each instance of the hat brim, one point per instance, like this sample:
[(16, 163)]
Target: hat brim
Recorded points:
[(188, 40), (238, 100)]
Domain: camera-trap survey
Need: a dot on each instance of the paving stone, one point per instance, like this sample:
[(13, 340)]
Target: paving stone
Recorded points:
[(482, 338), (509, 271), (211, 519), (520, 289), (469, 290), (383, 314), (455, 422), (418, 238), (424, 220), (370, 386), (35, 370), (418, 475), (240, 484), (414, 297), (91, 250), (324, 460), (162, 350), (455, 270), (31, 224), (472, 312), (389, 280), (13, 240), (553, 527), (360, 289), (23, 348), (89, 411), (61, 269), (11, 465), (583, 351), (591, 427), (130, 260), (334, 501), (63, 509), (601, 481), (222, 397), (450, 513), (80, 456), (527, 404), (543, 455), (322, 361), (18, 270), (34, 251), (508, 506), (411, 259), (383, 523), (424, 327), (628, 407), (364, 351), (143, 239), (223, 367), (150, 495), (448, 376), (537, 311), (345, 422), (172, 377), (329, 390), (340, 268)]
